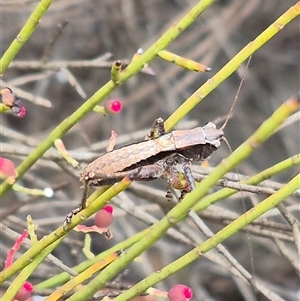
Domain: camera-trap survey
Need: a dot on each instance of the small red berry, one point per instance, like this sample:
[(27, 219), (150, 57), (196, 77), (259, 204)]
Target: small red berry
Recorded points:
[(113, 106), (180, 292), (104, 217), (24, 292)]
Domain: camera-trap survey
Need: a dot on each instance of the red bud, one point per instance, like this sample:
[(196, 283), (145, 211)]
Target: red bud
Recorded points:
[(113, 106)]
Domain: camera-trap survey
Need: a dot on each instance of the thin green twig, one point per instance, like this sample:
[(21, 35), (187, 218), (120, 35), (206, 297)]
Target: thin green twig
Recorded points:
[(24, 34), (181, 209), (28, 256), (28, 270), (205, 202), (212, 242), (232, 65), (130, 71), (258, 178)]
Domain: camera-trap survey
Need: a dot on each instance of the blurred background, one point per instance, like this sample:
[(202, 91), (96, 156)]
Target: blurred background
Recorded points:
[(99, 32)]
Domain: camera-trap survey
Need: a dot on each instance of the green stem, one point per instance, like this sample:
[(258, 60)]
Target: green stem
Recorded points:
[(232, 65), (28, 270), (258, 178), (116, 72), (212, 242), (88, 106), (181, 209), (60, 233), (24, 34), (64, 277), (205, 202), (3, 108)]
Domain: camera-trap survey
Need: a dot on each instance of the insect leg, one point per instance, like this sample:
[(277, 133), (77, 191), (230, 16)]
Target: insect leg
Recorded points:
[(188, 174), (84, 195), (170, 173), (174, 178), (182, 181), (145, 173), (157, 129), (82, 205)]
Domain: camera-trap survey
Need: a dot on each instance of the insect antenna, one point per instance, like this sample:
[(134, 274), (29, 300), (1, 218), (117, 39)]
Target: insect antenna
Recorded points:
[(236, 96), (236, 169)]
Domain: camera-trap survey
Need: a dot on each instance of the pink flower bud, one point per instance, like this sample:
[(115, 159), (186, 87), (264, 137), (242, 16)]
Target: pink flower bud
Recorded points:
[(24, 292), (113, 106), (7, 168), (180, 292), (104, 217)]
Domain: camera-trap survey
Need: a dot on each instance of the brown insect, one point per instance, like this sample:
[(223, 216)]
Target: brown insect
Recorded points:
[(155, 157)]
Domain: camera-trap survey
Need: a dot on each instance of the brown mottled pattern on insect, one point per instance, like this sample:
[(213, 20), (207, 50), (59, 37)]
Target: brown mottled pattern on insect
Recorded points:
[(155, 157), (113, 165)]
